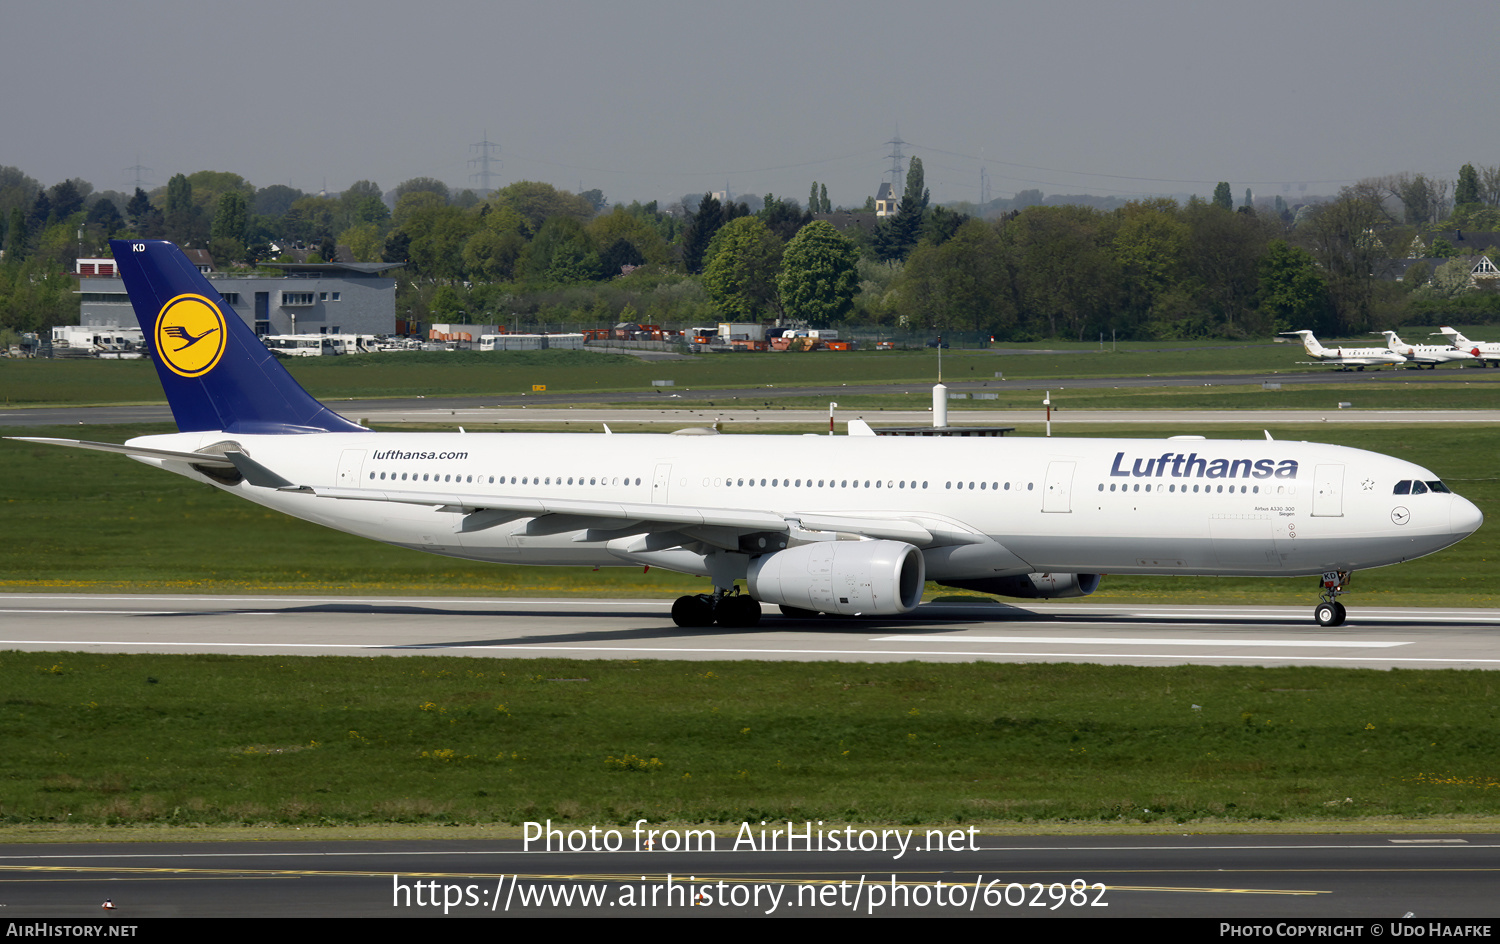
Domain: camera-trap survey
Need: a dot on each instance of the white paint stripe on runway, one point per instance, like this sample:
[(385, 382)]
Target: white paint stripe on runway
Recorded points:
[(352, 601), (1362, 616), (648, 652), (1145, 641)]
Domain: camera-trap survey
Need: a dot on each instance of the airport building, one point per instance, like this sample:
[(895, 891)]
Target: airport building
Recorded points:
[(309, 298)]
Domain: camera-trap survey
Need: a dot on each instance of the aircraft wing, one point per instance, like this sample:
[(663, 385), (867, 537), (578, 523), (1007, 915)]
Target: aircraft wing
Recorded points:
[(556, 515)]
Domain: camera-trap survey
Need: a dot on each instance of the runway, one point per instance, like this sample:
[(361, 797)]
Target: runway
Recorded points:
[(683, 405), (1339, 880), (1374, 637)]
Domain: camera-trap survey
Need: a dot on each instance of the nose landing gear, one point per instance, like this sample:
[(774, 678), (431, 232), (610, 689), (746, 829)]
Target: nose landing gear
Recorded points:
[(1331, 612)]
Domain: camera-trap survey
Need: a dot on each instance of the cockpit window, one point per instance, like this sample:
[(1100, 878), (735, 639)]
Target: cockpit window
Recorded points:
[(1417, 487)]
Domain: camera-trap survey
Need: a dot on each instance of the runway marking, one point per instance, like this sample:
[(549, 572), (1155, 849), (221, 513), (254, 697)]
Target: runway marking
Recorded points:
[(631, 878), (1378, 844), (1360, 616), (1146, 641), (649, 651)]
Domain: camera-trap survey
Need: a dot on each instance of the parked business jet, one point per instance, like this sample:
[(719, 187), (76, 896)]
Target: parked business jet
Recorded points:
[(1430, 354), (1483, 351), (839, 525), (1345, 357)]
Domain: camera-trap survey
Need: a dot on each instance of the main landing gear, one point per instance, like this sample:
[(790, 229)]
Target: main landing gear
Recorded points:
[(1331, 612), (733, 610)]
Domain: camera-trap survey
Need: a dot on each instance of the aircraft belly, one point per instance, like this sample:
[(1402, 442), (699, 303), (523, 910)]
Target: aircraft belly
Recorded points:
[(1119, 554)]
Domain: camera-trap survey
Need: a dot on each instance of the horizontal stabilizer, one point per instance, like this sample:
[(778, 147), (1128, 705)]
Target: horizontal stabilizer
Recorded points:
[(257, 474), (197, 458)]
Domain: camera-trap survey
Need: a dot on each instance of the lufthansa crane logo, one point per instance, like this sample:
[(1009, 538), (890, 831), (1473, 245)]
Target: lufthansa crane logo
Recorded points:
[(190, 335)]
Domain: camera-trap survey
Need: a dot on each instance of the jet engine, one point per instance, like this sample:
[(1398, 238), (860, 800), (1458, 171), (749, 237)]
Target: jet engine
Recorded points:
[(1032, 586), (845, 578)]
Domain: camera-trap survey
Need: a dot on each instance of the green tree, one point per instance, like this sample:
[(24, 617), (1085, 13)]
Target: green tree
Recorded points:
[(819, 274), (311, 219), (1222, 252), (595, 199), (1292, 294), (184, 224), (16, 189), (561, 252), (364, 240), (635, 229), (276, 199), (421, 185), (1450, 280), (438, 233), (961, 284), (1343, 237), (362, 203), (495, 248), (1223, 197), (412, 203), (1066, 279), (783, 217), (179, 194), (67, 198), (744, 262), (231, 216), (231, 219), (897, 236), (539, 202), (15, 235), (1466, 192), (104, 218), (699, 232), (1150, 247), (1423, 200)]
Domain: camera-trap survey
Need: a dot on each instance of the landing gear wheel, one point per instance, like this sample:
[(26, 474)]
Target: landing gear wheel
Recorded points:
[(738, 612), (693, 611), (1331, 612)]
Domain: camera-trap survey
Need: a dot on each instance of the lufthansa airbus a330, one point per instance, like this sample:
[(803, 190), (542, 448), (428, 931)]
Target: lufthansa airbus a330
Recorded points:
[(849, 525)]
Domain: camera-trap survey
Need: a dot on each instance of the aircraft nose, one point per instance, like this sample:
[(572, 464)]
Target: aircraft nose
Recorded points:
[(1464, 516)]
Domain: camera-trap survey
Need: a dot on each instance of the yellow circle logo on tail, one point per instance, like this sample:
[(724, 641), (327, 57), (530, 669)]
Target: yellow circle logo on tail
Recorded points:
[(190, 335)]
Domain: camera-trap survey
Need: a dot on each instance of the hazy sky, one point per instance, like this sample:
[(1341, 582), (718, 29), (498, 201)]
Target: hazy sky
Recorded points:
[(653, 99)]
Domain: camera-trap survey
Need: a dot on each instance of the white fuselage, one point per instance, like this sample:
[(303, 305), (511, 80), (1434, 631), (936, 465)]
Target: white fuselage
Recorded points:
[(1020, 505), (1427, 353), (1480, 350), (1360, 357)]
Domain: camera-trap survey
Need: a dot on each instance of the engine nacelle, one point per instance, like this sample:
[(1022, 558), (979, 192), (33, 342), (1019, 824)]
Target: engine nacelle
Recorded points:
[(1032, 586), (847, 578)]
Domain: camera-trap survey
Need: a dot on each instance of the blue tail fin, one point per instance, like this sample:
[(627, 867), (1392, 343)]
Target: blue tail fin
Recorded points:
[(217, 374)]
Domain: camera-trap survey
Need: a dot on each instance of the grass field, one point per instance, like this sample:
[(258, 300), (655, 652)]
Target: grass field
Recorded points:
[(230, 740), (39, 382)]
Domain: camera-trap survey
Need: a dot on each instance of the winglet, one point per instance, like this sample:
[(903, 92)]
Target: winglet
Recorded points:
[(216, 373)]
